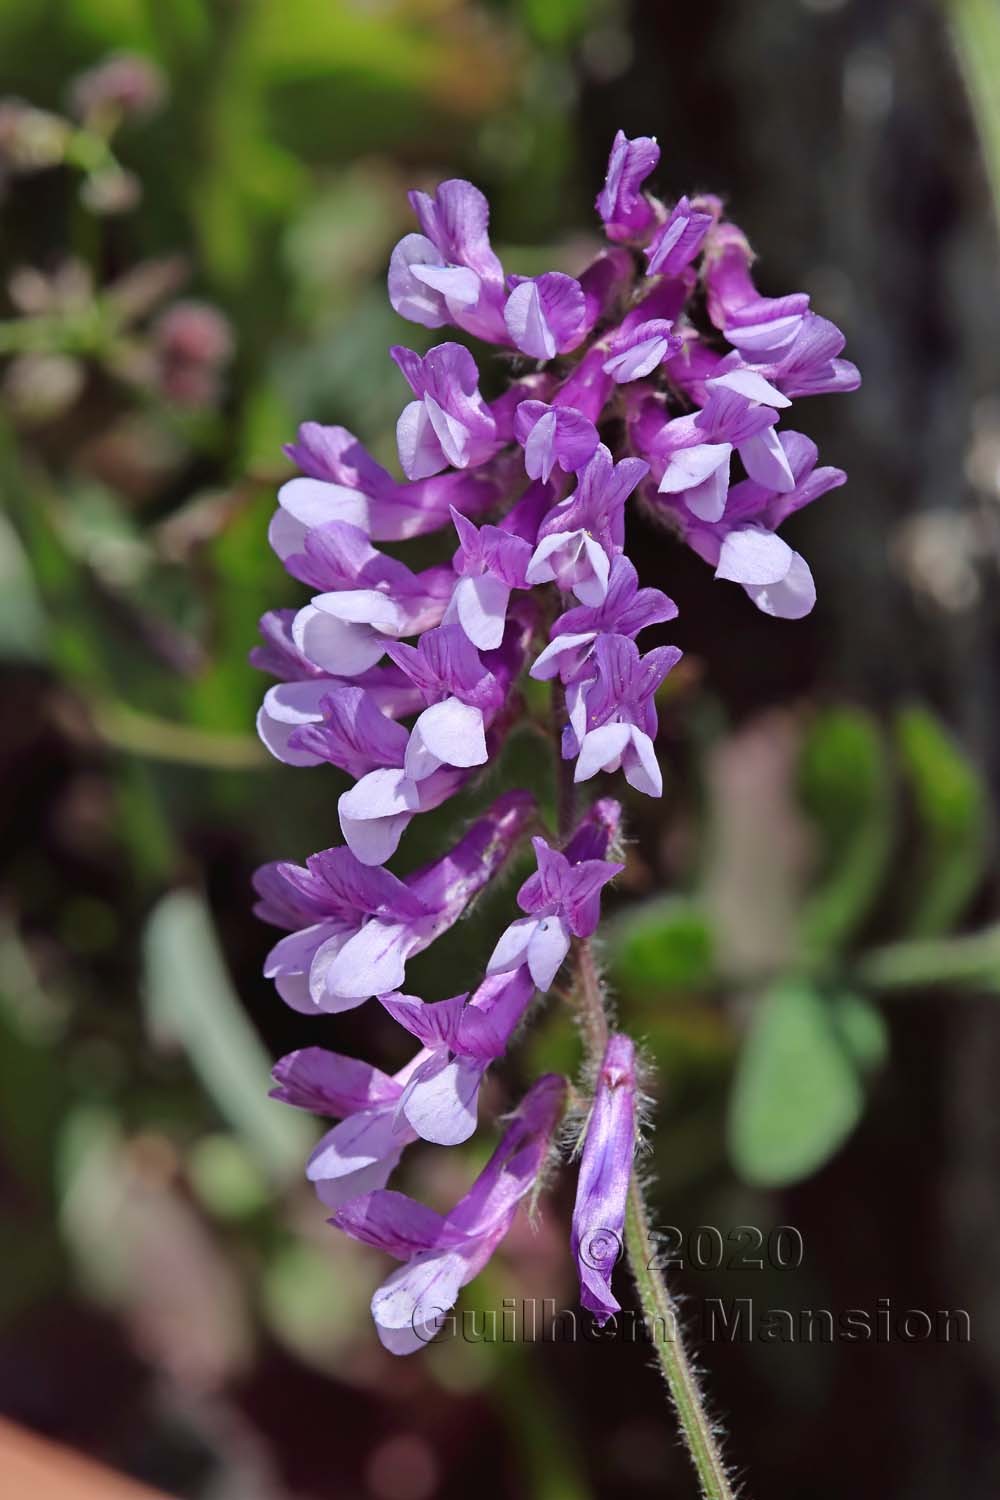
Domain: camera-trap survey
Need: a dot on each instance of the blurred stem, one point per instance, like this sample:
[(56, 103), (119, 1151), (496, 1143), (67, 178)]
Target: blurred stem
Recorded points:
[(657, 1304), (975, 32), (123, 728), (921, 962)]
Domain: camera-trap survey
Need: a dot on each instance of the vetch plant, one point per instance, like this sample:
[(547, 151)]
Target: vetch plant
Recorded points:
[(657, 380)]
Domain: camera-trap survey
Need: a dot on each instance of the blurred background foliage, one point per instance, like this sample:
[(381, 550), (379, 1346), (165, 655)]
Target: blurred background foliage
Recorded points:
[(192, 261)]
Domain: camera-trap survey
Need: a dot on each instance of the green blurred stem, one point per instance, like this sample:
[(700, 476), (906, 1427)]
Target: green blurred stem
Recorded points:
[(920, 962), (125, 729), (657, 1304), (975, 32)]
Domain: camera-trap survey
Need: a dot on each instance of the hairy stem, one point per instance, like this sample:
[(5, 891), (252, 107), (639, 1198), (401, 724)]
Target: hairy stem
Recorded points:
[(657, 1304)]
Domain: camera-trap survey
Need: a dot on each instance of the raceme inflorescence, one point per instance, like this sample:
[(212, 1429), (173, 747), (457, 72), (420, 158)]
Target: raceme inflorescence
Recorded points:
[(659, 378)]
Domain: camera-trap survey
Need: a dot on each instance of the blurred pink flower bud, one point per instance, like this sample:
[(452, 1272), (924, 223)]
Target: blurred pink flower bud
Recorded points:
[(124, 84)]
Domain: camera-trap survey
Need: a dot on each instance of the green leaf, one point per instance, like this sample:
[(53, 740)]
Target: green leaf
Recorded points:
[(190, 998), (661, 945), (845, 784), (862, 1029), (952, 807), (796, 1096)]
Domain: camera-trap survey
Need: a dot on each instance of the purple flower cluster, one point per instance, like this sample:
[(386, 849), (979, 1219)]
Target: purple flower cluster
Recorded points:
[(408, 681)]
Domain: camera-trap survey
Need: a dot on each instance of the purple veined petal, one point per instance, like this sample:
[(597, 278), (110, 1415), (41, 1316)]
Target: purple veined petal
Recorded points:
[(546, 316), (361, 1140), (457, 284), (639, 351), (548, 946), (601, 750), (620, 203), (452, 435), (772, 337), (376, 812), (565, 653), (792, 597), (481, 606), (754, 556), (766, 462), (605, 1173), (750, 384), (410, 1307), (420, 451), (286, 707), (394, 1223), (511, 950), (333, 1192), (441, 1101), (328, 1083), (436, 1026), (337, 645), (410, 295), (372, 962), (677, 243), (305, 503), (451, 733), (641, 767)]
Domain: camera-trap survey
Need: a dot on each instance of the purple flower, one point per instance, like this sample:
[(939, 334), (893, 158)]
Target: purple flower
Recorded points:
[(625, 610), (442, 1253), (450, 738), (578, 538), (637, 351), (694, 452), (353, 927), (759, 327), (369, 600), (605, 1171), (553, 435), (624, 209), (449, 273), (743, 547), (490, 563), (809, 365), (449, 422), (612, 717), (361, 1152), (546, 315), (461, 1037), (562, 899), (677, 242), (342, 482), (321, 719)]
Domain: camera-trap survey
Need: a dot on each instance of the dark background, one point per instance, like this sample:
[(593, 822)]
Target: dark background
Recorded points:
[(172, 1300)]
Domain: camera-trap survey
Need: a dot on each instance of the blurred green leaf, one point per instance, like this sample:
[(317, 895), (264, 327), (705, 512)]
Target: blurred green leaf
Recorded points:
[(190, 999), (846, 789), (952, 806), (23, 625), (663, 944), (796, 1095), (226, 1177), (862, 1027)]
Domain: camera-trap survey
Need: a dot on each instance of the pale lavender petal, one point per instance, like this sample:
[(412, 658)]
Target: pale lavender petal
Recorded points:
[(512, 948), (792, 597), (546, 316), (440, 1102), (641, 767), (754, 556), (481, 605), (601, 750), (411, 1305), (548, 947), (409, 294), (766, 462)]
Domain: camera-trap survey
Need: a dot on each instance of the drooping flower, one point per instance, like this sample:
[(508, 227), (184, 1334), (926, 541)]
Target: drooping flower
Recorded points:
[(360, 1153), (579, 537), (352, 926), (625, 610), (448, 273), (461, 1037), (441, 1253), (605, 1171), (449, 422), (625, 211), (563, 900), (612, 717)]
